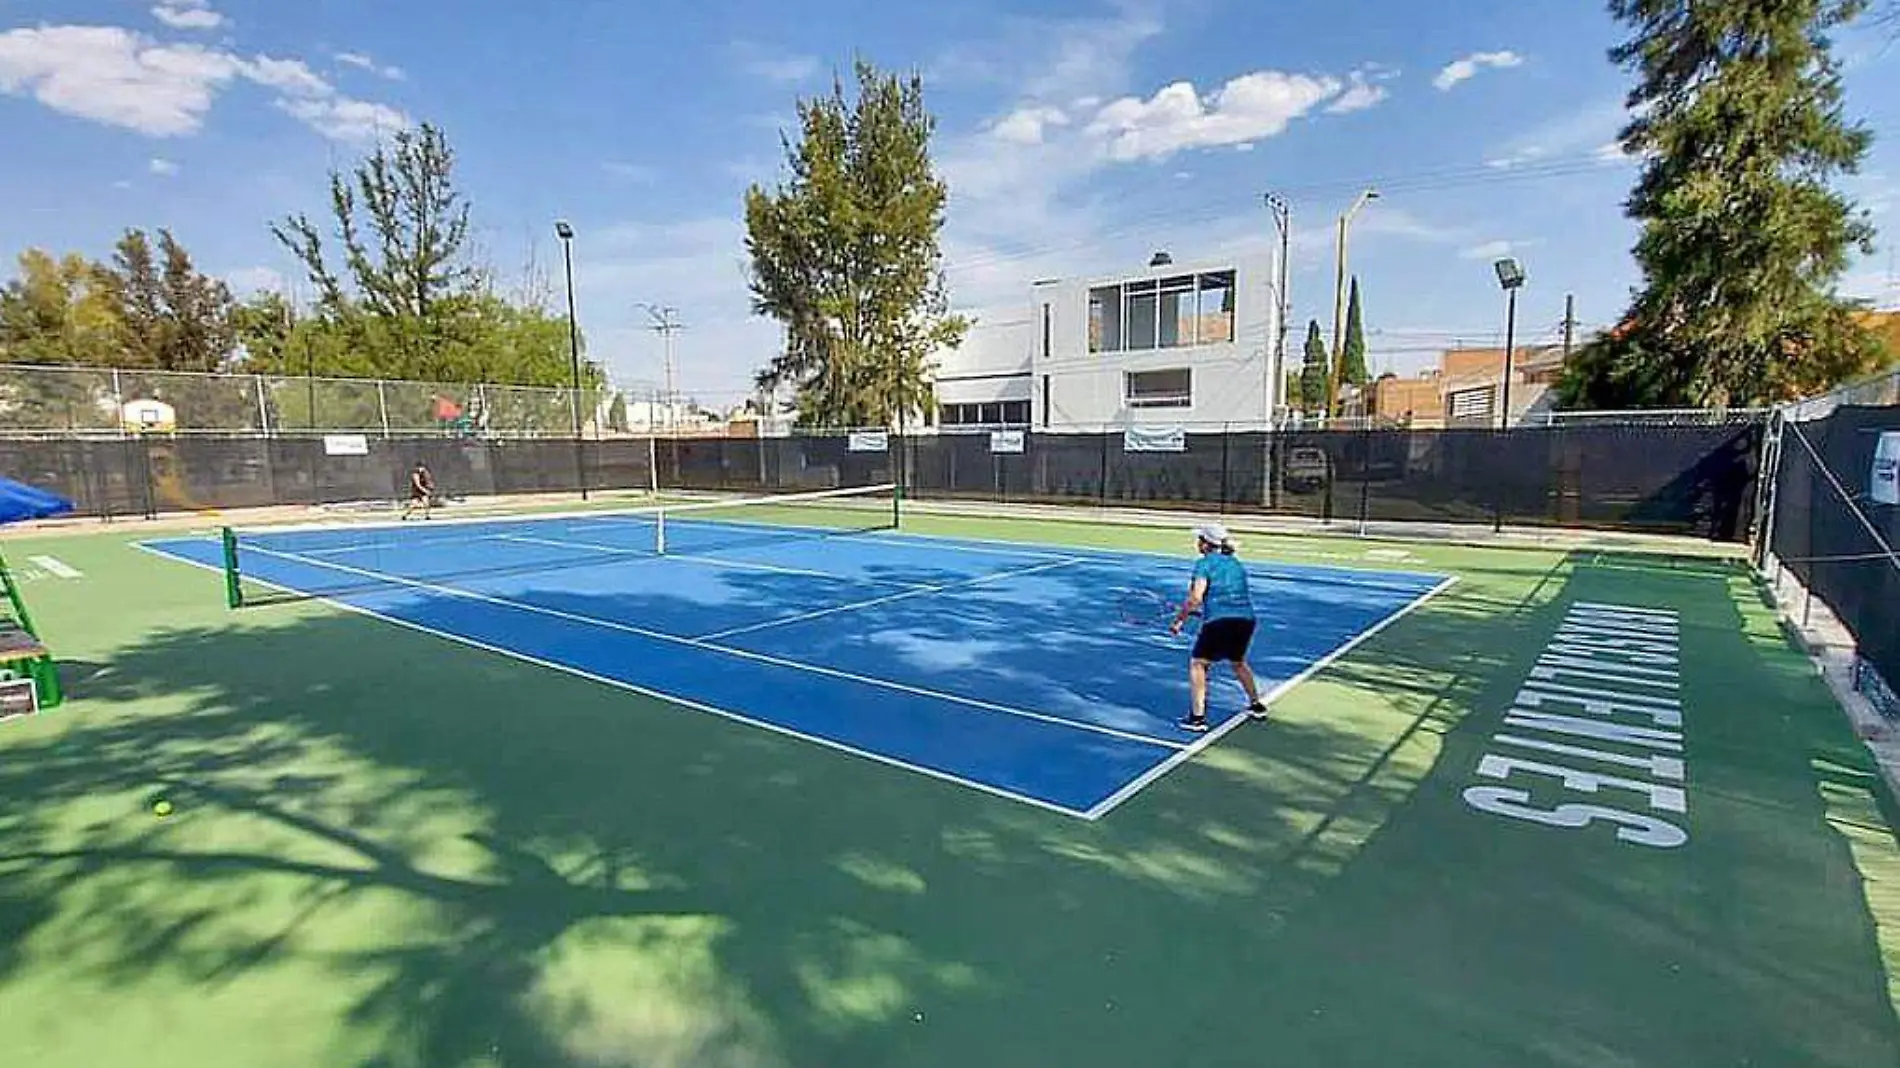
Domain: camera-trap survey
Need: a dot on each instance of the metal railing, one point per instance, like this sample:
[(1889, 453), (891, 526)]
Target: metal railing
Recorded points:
[(42, 401)]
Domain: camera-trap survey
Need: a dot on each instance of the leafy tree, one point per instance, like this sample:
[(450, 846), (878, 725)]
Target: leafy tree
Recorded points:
[(141, 301), (846, 255), (1313, 370), (59, 311), (198, 335), (1352, 360), (402, 226), (1738, 112)]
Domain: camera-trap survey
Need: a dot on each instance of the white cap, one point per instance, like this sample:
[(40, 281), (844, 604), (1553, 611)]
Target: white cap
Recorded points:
[(1213, 534)]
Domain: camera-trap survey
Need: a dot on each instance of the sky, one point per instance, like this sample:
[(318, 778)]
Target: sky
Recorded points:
[(1077, 138)]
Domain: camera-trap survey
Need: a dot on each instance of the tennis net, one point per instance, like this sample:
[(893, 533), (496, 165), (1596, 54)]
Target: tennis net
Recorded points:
[(292, 562)]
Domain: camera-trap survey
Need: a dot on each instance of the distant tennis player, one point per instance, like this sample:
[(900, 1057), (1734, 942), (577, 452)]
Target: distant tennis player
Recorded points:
[(1219, 592), (421, 491)]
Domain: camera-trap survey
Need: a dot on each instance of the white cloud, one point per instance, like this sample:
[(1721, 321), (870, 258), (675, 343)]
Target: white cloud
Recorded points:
[(769, 65), (113, 76), (1492, 250), (1464, 69), (1026, 126), (363, 61), (1359, 95), (163, 167), (1251, 107), (120, 78), (291, 76), (341, 118), (187, 14)]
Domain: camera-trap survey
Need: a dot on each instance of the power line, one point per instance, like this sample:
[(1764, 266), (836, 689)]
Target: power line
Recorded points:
[(1419, 182)]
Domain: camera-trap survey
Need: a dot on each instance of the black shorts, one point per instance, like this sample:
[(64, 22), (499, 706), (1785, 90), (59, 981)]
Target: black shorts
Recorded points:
[(1224, 640)]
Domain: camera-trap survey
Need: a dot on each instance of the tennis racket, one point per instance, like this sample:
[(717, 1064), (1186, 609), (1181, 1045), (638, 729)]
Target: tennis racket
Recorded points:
[(1144, 608)]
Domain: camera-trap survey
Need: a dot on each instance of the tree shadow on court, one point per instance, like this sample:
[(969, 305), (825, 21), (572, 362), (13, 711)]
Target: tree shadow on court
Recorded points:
[(493, 863)]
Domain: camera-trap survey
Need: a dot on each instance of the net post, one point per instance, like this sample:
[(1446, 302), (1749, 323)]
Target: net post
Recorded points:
[(233, 584), (659, 532), (897, 504)]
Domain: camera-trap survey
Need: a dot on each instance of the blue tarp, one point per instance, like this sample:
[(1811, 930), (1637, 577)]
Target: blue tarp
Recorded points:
[(19, 502)]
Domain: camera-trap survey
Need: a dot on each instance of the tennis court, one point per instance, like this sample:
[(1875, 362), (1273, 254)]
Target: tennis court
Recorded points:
[(805, 782), (1005, 667)]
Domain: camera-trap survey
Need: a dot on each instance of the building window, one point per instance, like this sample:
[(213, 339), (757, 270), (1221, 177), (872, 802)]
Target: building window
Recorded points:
[(1214, 311), (1105, 319), (1045, 401), (1045, 331), (1193, 309), (1177, 312), (1470, 404), (988, 413), (1141, 297), (1159, 389)]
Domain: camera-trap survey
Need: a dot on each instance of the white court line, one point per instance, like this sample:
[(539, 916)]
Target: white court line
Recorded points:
[(1113, 800), (1363, 576), (56, 567), (718, 561), (914, 591), (659, 695), (743, 654)]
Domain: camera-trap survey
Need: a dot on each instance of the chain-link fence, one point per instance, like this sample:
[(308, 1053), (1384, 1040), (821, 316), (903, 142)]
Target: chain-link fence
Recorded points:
[(1671, 480), (1833, 524), (41, 401)]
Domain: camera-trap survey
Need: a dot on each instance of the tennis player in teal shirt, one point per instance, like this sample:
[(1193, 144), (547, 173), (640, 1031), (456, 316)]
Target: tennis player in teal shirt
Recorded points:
[(1218, 591)]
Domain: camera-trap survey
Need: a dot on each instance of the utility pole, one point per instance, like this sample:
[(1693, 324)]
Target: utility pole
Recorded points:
[(1283, 221), (666, 323), (1339, 301), (1570, 324)]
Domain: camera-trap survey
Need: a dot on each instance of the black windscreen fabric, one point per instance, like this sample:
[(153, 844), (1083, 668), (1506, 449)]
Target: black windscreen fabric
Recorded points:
[(1696, 481)]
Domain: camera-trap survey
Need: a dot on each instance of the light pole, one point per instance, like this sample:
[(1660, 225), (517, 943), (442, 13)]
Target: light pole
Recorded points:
[(1282, 221), (566, 233), (1510, 277), (1339, 300)]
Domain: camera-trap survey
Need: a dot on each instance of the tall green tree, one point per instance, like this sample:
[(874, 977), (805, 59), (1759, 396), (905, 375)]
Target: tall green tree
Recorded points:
[(1738, 114), (845, 254), (135, 279), (1313, 370), (1352, 359), (403, 227), (59, 310)]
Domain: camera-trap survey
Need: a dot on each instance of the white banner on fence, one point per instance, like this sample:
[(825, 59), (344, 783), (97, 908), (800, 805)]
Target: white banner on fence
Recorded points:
[(1154, 439), (345, 445), (1006, 441), (1885, 487), (869, 441)]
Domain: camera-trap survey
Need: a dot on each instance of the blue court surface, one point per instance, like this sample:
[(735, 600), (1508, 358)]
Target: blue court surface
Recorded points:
[(1000, 666)]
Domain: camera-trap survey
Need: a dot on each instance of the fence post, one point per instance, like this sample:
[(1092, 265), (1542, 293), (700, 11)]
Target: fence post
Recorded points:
[(382, 407), (118, 403), (1103, 499), (1365, 474), (1226, 437), (263, 409)]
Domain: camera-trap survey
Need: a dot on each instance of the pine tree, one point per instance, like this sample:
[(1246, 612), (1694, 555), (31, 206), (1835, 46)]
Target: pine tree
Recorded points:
[(1352, 360), (846, 256), (1738, 113), (1313, 370)]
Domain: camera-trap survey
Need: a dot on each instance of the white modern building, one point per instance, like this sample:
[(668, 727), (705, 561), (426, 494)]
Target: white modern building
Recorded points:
[(1172, 345)]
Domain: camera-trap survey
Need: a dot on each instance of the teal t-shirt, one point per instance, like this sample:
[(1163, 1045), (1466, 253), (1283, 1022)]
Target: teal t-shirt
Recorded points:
[(1227, 594)]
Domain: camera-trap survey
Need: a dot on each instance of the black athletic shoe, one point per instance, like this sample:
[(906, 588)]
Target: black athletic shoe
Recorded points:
[(1197, 724), (1257, 710)]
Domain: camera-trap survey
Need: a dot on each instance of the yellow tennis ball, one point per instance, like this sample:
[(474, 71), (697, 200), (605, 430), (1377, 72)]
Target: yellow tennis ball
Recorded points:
[(162, 808)]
